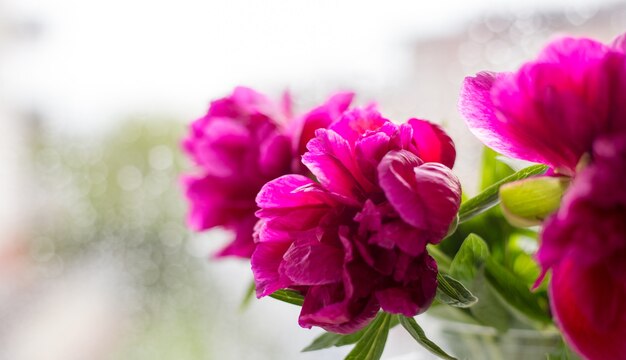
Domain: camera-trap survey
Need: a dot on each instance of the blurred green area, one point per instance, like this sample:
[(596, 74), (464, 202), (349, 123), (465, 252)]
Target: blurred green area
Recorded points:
[(115, 195), (511, 247)]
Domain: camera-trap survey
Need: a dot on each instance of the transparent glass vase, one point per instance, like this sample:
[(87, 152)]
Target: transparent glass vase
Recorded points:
[(476, 342)]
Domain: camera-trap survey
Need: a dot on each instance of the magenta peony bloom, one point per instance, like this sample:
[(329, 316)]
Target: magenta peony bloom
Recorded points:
[(585, 245), (552, 109), (244, 141), (354, 241)]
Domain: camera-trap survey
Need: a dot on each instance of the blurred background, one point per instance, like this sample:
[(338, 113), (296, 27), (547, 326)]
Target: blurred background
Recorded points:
[(95, 258)]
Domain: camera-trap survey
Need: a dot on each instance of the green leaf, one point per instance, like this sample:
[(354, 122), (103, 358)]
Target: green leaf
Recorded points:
[(453, 293), (489, 197), (470, 257), (528, 202), (468, 267), (418, 334), (372, 343), (493, 169), (329, 339), (490, 310), (515, 292), (288, 296)]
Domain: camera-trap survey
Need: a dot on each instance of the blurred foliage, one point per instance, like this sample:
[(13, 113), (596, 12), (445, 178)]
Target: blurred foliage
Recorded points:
[(115, 196), (509, 247)]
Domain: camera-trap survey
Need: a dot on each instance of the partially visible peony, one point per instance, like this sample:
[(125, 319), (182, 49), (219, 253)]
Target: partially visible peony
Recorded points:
[(585, 245), (552, 109), (354, 241), (244, 141), (561, 110)]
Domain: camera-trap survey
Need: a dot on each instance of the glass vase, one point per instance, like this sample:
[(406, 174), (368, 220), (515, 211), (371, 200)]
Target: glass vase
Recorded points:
[(476, 342)]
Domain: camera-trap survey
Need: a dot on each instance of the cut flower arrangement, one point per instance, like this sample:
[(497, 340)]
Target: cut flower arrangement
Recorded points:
[(361, 222)]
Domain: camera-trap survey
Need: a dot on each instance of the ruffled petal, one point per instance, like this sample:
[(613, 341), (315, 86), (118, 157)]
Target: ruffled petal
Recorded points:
[(327, 307), (313, 263), (292, 203), (432, 143), (330, 159), (290, 191), (589, 305), (426, 196), (357, 122), (370, 149), (265, 261), (399, 234), (413, 294), (319, 118)]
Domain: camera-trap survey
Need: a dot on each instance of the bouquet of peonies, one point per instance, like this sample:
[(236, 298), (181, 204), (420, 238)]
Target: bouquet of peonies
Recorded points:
[(361, 221)]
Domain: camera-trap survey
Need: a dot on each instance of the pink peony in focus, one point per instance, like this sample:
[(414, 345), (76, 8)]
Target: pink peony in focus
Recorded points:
[(354, 240), (244, 141), (566, 109)]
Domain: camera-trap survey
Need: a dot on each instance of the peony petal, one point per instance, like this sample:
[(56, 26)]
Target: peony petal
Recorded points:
[(440, 193), (318, 118), (330, 159), (412, 297), (619, 43), (369, 218), (290, 191), (397, 301), (407, 238), (477, 107), (326, 307), (369, 150), (275, 155), (292, 203), (214, 202), (432, 143), (243, 245), (396, 178), (219, 146), (426, 196), (545, 99), (356, 122), (313, 264), (250, 102), (389, 235), (590, 308), (265, 262)]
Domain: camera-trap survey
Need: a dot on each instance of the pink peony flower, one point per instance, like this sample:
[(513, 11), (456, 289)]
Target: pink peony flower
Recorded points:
[(244, 141), (354, 241), (585, 245), (554, 110)]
